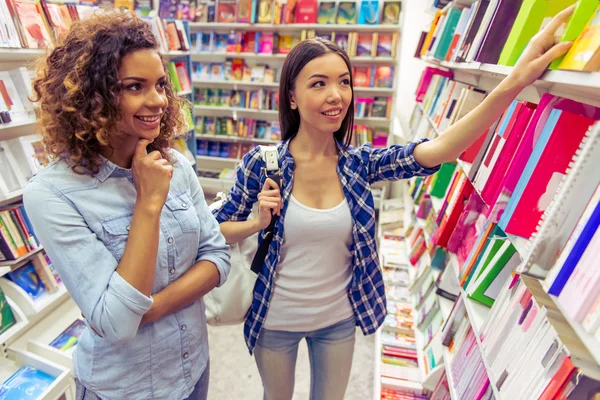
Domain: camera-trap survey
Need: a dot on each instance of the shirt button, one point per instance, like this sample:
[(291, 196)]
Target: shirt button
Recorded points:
[(183, 205), (186, 356), (127, 228), (170, 240), (183, 327), (172, 270)]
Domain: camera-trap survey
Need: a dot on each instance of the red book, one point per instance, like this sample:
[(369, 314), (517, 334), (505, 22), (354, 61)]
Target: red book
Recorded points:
[(567, 133), (470, 154), (306, 12)]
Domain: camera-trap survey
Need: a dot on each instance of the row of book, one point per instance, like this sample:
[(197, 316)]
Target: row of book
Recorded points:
[(497, 31), (376, 107), (171, 34), (236, 70), (258, 99), (378, 137), (36, 24), (354, 43), (240, 127), (370, 12), (180, 76), (215, 148), (17, 238)]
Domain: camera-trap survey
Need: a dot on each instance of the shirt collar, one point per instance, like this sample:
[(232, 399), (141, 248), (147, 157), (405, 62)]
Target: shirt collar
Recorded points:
[(108, 168)]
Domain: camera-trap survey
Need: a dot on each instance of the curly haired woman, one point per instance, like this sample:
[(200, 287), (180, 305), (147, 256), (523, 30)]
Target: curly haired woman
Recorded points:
[(122, 216)]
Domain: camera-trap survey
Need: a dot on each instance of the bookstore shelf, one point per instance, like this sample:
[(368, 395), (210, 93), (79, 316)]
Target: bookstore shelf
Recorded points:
[(429, 378), (195, 26), (37, 340), (4, 271), (201, 56), (14, 130), (589, 340), (15, 196), (431, 123), (14, 264), (38, 307), (172, 54), (372, 121), (226, 138), (184, 93), (275, 85), (451, 385), (437, 204), (16, 359), (22, 323), (584, 85), (446, 306), (229, 110), (223, 159), (20, 55), (377, 374), (215, 184)]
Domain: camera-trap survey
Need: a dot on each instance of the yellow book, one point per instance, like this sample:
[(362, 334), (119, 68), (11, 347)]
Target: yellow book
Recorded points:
[(584, 55), (429, 36)]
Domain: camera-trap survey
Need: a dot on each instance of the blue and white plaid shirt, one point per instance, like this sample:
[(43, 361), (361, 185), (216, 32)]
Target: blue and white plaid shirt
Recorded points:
[(358, 168)]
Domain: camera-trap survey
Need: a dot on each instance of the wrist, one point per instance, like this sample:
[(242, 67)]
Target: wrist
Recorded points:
[(148, 208)]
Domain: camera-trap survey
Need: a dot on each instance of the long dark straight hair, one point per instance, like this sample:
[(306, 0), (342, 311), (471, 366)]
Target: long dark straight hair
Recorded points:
[(299, 56)]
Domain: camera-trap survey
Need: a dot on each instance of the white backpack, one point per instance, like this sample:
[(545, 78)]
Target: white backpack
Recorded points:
[(228, 304)]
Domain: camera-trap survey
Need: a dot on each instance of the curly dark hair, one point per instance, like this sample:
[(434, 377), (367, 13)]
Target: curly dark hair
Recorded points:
[(78, 90)]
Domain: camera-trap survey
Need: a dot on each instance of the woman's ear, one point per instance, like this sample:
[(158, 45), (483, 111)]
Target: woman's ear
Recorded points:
[(293, 104)]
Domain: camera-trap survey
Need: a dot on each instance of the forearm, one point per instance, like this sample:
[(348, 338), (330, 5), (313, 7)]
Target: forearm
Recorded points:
[(139, 259), (199, 280), (236, 231), (457, 138)]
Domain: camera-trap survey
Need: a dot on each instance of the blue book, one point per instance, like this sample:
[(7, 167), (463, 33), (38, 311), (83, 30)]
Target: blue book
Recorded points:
[(26, 383), (69, 337), (576, 252), (529, 167), (28, 279), (507, 117), (369, 12)]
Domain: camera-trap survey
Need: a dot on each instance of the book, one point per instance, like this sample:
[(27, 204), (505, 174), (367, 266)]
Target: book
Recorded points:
[(369, 12), (27, 279), (306, 11), (584, 54), (67, 340), (327, 12), (347, 13), (26, 383), (497, 31), (6, 314), (390, 15)]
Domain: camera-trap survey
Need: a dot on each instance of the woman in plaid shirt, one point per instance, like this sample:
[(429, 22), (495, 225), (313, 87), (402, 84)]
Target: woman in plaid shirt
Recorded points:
[(321, 276)]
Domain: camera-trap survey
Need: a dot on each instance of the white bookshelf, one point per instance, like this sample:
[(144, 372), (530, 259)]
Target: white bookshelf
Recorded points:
[(14, 264), (235, 139), (16, 129), (21, 324), (275, 85), (266, 57), (40, 306), (377, 366), (214, 185), (20, 55), (60, 386), (291, 28), (221, 159), (448, 357), (227, 111), (12, 198)]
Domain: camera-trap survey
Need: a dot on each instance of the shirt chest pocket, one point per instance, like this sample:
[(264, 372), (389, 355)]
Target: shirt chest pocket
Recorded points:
[(184, 212), (116, 233)]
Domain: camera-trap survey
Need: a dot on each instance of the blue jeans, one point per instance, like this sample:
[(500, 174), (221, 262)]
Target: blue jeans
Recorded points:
[(330, 352), (200, 389)]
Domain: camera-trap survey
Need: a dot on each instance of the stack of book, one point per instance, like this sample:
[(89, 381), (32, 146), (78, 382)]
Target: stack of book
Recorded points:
[(17, 238), (29, 24), (497, 31)]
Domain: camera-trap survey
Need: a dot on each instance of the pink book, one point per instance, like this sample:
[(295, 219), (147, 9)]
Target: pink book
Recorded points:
[(491, 189), (465, 234), (426, 79), (567, 132), (547, 103)]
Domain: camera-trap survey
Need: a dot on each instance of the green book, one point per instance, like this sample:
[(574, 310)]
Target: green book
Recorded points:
[(439, 187), (533, 15), (172, 71), (499, 268), (446, 36), (8, 318), (577, 22)]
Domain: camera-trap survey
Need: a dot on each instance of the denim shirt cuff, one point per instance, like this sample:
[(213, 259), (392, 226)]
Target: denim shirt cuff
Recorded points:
[(132, 298)]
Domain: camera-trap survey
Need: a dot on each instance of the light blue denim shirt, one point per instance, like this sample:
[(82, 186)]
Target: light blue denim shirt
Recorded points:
[(83, 224)]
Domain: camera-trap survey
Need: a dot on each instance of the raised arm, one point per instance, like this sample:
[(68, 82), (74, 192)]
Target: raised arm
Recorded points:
[(540, 52)]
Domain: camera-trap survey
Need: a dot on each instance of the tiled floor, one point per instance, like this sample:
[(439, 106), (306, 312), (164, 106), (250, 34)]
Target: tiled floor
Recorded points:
[(234, 376)]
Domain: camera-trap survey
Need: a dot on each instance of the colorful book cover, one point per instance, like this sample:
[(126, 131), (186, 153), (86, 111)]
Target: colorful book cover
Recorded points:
[(384, 76), (390, 14), (369, 12), (445, 37), (26, 278), (585, 16), (385, 47), (306, 11), (365, 45), (544, 172), (26, 383), (497, 32), (35, 31), (265, 12), (532, 15), (326, 12), (8, 318), (347, 13), (479, 10), (69, 337), (244, 11), (584, 55)]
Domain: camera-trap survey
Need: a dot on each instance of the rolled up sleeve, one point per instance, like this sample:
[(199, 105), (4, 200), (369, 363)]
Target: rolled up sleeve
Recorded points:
[(394, 163), (112, 306)]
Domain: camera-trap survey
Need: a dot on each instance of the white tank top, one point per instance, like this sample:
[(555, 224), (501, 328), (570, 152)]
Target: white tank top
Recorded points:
[(314, 271)]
